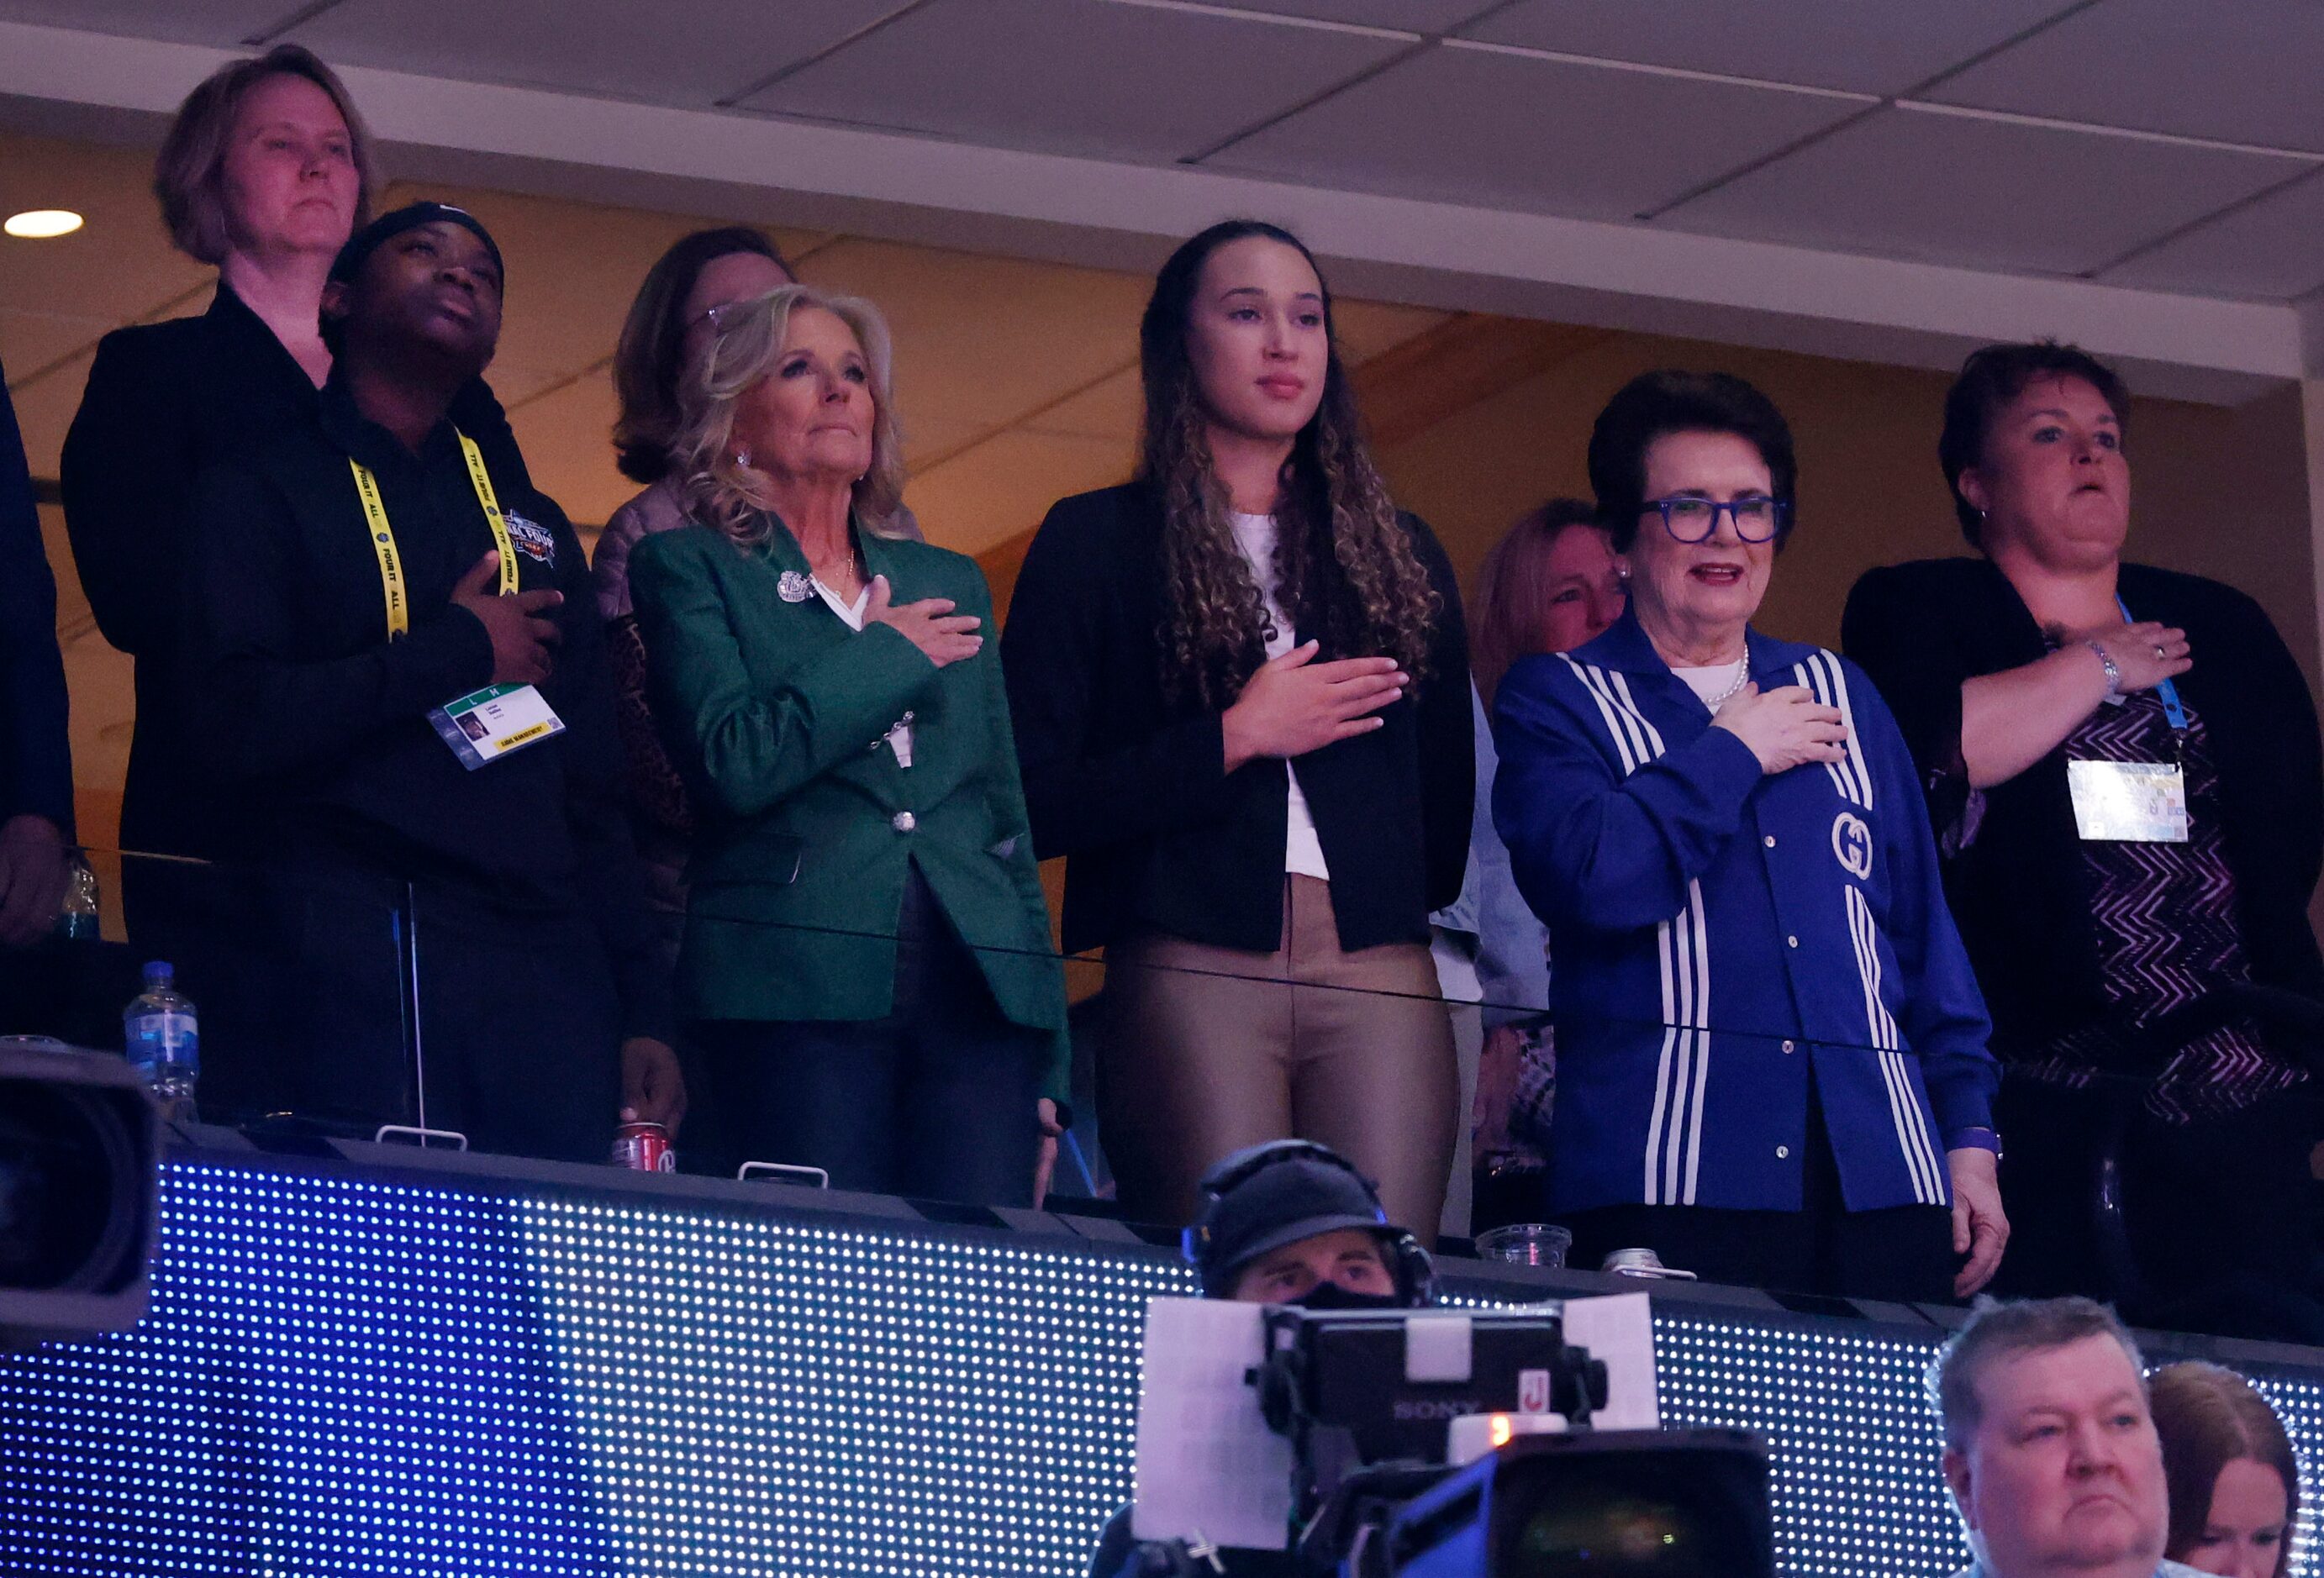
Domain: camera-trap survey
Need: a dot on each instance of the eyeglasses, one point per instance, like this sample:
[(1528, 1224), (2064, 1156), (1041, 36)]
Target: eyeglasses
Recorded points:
[(1756, 518)]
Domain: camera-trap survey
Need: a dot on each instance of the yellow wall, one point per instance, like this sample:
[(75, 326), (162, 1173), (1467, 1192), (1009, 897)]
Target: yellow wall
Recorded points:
[(2218, 492)]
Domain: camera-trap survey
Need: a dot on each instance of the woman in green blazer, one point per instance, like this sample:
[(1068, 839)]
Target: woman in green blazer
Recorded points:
[(867, 953)]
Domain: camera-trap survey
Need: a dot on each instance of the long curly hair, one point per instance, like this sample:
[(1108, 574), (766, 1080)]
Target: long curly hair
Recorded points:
[(1345, 570)]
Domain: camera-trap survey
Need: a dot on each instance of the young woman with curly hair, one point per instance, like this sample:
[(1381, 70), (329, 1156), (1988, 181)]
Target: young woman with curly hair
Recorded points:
[(1241, 698)]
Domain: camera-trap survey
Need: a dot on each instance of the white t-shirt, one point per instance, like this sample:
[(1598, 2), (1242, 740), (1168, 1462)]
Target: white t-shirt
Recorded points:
[(1712, 683), (899, 737), (1303, 853)]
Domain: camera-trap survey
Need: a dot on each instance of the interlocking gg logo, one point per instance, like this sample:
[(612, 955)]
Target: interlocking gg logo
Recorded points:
[(1851, 844)]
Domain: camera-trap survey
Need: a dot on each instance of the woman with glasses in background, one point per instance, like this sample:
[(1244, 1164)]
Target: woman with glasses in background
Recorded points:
[(1771, 1053)]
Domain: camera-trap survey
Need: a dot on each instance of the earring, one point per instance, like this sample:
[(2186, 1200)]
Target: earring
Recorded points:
[(742, 459)]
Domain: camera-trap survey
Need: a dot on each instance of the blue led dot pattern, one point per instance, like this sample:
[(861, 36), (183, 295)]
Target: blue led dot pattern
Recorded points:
[(860, 1402), (1855, 1444), (343, 1376), (1848, 1423)]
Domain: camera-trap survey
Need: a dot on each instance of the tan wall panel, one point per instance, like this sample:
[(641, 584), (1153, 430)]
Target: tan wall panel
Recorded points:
[(2217, 492)]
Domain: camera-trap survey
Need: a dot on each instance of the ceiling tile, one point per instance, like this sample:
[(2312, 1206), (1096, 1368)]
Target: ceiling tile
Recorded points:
[(1005, 485), (2242, 72), (1980, 193), (980, 341), (2267, 251), (715, 49), (119, 266), (1881, 49), (221, 23), (1500, 129), (1076, 77), (1431, 16)]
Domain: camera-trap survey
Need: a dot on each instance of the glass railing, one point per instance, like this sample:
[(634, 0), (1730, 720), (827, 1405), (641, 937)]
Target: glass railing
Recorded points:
[(362, 1008)]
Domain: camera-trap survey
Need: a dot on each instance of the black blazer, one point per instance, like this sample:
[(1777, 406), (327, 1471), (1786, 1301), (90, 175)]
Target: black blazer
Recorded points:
[(2020, 890), (35, 753), (165, 402), (1131, 787)]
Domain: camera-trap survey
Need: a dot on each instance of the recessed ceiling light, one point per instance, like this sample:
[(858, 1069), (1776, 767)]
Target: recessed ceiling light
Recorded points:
[(40, 224)]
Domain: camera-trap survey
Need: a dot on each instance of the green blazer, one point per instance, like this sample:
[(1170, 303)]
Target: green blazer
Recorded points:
[(806, 824)]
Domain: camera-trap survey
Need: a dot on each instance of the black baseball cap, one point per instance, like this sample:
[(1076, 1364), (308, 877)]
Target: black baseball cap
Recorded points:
[(1259, 1200), (411, 217)]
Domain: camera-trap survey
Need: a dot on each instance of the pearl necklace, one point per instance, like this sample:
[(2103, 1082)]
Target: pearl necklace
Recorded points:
[(1742, 678)]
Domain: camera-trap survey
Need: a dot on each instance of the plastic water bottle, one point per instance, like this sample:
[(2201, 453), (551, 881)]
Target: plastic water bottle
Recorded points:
[(164, 1040), (79, 921)]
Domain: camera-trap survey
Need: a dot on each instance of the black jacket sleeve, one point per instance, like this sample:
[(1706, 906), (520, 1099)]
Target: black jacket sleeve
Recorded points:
[(1907, 636), (596, 806), (129, 463), (1448, 742), (1081, 794), (35, 750), (2273, 772), (260, 709)]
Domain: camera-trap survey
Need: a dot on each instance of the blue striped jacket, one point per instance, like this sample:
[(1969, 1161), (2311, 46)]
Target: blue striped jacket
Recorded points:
[(1718, 932)]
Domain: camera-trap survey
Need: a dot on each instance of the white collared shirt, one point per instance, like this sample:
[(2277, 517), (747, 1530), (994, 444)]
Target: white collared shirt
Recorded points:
[(1303, 852)]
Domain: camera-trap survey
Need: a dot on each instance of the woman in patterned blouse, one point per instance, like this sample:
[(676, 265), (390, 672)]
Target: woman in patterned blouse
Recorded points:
[(2122, 767)]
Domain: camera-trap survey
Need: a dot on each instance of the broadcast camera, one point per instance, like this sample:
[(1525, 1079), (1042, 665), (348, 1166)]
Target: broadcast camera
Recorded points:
[(1459, 1443)]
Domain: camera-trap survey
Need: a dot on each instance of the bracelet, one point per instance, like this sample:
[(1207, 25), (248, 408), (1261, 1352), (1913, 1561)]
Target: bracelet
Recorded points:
[(2113, 672)]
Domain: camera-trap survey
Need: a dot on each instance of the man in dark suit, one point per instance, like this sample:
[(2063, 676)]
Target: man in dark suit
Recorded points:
[(36, 818)]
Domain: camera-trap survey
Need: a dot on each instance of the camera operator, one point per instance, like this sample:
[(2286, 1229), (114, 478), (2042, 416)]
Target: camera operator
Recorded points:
[(1288, 1221), (2050, 1451)]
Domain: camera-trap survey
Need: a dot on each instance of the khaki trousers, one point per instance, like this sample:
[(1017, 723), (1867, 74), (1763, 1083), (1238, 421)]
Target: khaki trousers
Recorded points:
[(1208, 1049)]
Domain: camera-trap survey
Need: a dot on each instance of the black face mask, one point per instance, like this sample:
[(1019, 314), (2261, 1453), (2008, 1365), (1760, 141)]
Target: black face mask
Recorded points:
[(1331, 1295)]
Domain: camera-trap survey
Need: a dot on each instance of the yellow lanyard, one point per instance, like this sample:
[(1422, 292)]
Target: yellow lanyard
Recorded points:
[(382, 536)]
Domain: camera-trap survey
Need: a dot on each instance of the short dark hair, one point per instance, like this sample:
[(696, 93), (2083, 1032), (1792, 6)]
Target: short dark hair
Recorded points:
[(1999, 1331), (1992, 377), (2209, 1417), (646, 359), (1654, 405)]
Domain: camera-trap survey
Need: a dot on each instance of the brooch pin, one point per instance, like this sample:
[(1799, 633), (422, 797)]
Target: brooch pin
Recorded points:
[(794, 587)]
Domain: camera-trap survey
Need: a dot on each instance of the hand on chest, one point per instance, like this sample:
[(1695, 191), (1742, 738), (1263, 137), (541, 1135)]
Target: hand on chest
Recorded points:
[(430, 524)]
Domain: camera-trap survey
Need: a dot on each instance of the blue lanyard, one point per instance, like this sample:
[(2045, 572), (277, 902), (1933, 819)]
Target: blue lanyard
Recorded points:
[(2166, 692)]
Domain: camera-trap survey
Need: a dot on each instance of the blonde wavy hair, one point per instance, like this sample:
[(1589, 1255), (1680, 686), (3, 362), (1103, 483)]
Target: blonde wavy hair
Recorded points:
[(750, 337)]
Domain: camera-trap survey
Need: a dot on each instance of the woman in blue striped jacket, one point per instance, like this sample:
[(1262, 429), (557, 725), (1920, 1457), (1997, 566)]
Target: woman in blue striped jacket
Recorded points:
[(1772, 1051)]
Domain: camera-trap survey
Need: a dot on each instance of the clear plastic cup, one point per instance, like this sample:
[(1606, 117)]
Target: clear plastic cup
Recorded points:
[(1526, 1244)]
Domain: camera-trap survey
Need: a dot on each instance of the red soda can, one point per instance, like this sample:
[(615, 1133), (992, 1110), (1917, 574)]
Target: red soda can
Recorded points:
[(644, 1148)]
